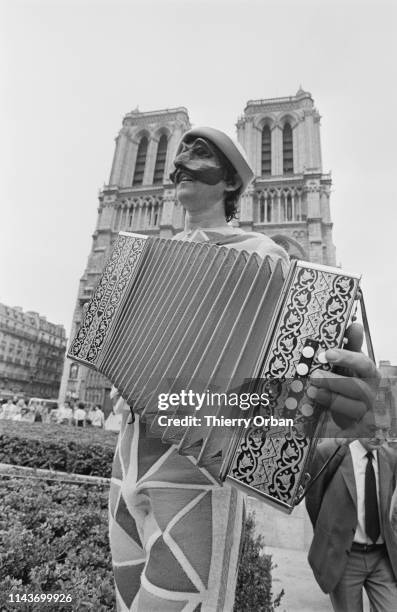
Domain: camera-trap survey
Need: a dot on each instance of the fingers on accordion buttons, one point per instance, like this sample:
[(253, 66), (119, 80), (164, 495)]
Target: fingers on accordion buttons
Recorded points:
[(296, 386), (311, 392), (307, 409), (322, 358)]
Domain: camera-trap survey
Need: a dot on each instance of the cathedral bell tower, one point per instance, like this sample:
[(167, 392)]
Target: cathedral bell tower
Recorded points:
[(289, 198), (139, 198)]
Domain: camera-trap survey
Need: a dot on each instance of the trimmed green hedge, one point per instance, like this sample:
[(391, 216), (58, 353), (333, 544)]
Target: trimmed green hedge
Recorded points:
[(65, 448), (54, 539)]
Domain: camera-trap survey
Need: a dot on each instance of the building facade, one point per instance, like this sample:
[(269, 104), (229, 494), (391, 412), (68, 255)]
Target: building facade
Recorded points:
[(288, 199), (32, 352)]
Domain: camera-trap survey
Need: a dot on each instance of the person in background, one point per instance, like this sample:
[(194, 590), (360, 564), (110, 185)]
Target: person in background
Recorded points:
[(9, 409), (96, 417), (24, 412), (33, 408), (19, 409), (79, 415), (53, 415), (39, 413), (19, 404), (27, 414), (65, 414), (354, 547)]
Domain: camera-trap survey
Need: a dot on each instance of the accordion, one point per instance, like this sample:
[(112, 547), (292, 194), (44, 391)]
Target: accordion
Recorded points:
[(212, 347)]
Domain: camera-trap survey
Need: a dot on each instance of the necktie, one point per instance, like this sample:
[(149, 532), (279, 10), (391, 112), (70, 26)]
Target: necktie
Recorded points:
[(372, 526)]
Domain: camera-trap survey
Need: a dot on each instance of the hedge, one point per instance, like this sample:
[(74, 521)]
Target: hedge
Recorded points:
[(54, 539), (254, 582), (59, 447)]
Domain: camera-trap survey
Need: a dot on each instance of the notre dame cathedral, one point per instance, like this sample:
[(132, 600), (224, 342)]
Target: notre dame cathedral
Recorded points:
[(288, 199)]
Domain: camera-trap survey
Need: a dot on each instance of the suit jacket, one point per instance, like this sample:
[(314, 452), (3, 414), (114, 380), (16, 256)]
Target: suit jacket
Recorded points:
[(332, 507)]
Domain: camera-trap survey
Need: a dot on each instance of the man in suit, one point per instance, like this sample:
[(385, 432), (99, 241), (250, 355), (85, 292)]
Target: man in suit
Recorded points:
[(354, 546)]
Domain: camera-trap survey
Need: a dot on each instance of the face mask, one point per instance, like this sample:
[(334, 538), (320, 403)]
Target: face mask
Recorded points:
[(198, 161)]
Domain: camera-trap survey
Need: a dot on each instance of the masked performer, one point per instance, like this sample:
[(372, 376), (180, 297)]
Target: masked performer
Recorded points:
[(175, 533)]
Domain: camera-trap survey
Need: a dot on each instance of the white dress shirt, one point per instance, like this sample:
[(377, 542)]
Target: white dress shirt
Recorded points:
[(358, 454)]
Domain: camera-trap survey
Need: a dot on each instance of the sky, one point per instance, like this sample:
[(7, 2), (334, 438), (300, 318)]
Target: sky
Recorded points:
[(70, 71)]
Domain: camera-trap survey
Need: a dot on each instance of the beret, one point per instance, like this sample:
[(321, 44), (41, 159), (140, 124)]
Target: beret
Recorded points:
[(230, 148)]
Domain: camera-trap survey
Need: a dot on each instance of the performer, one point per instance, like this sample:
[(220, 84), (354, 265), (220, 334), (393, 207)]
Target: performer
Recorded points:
[(174, 532), (353, 545)]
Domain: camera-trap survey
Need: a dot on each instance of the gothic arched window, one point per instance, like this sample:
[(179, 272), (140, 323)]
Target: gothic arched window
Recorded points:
[(261, 216), (266, 151), (289, 210), (269, 211), (160, 160), (140, 161), (288, 155)]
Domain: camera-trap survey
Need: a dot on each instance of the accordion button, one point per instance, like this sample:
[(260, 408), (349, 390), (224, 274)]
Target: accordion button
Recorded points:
[(307, 410), (296, 386), (321, 357), (302, 369), (311, 392), (308, 352), (291, 403)]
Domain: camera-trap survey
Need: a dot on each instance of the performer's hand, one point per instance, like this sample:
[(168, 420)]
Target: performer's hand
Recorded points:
[(350, 389)]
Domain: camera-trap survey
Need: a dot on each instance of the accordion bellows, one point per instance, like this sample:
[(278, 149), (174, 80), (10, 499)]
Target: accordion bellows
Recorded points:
[(169, 315)]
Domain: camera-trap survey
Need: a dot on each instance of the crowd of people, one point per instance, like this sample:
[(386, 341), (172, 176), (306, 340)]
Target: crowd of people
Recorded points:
[(68, 413)]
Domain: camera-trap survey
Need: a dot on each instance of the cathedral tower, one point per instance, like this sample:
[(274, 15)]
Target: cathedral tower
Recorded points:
[(138, 198), (289, 198)]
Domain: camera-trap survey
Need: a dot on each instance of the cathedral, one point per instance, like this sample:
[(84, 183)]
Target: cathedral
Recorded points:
[(288, 200)]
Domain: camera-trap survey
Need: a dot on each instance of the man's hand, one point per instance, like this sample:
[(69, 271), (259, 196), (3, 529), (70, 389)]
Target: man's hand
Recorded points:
[(350, 389)]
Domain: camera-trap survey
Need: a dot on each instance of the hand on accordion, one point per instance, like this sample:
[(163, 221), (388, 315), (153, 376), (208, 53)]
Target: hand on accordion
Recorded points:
[(350, 389)]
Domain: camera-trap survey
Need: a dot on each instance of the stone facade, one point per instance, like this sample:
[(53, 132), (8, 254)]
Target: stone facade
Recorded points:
[(32, 354), (288, 199)]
